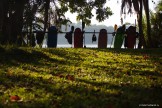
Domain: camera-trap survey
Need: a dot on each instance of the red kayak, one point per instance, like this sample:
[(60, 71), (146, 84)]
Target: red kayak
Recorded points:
[(78, 38), (102, 39), (131, 37)]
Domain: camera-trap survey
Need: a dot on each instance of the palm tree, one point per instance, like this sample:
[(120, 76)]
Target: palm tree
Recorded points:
[(47, 6), (141, 36), (147, 12), (142, 41), (138, 7)]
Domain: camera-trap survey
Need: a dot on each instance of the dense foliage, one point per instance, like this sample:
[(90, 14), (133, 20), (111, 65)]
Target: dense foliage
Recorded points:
[(156, 22), (32, 14), (156, 26)]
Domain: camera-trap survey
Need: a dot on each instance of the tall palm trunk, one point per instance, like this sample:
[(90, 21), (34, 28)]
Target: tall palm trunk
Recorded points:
[(141, 36), (1, 14), (46, 14), (136, 4), (17, 22), (4, 21), (3, 5), (146, 6), (33, 12)]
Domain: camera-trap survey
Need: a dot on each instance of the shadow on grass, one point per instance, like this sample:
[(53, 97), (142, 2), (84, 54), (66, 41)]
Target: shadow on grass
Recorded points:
[(79, 94), (33, 56), (16, 56), (129, 95), (69, 55), (64, 96), (21, 56), (152, 55)]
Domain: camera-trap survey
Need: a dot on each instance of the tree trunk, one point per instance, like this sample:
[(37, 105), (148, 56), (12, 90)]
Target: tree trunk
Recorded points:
[(5, 22), (31, 17), (1, 14), (1, 19), (46, 14), (146, 6), (17, 23), (141, 36)]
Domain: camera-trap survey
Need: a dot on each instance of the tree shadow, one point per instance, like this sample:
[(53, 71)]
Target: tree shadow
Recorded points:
[(129, 95), (80, 93), (68, 55), (152, 55)]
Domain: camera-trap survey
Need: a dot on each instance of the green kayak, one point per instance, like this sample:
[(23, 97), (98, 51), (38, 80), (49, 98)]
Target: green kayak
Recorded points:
[(118, 40)]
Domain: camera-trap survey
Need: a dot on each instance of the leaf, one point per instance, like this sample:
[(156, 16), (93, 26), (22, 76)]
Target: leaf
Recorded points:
[(15, 98), (70, 77), (146, 57), (128, 73), (110, 106), (60, 76)]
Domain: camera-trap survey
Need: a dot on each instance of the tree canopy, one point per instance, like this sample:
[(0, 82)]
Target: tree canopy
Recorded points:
[(28, 14)]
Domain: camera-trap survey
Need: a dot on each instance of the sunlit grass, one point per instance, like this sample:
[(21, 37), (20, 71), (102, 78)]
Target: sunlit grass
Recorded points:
[(86, 78)]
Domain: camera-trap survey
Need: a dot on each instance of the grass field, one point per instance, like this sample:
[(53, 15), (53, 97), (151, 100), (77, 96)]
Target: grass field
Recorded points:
[(80, 78)]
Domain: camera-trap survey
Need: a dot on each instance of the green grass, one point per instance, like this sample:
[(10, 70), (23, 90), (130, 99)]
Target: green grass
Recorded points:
[(80, 78)]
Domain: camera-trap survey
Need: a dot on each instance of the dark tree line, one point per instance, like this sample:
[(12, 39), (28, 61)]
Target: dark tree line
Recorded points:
[(156, 23), (27, 15)]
